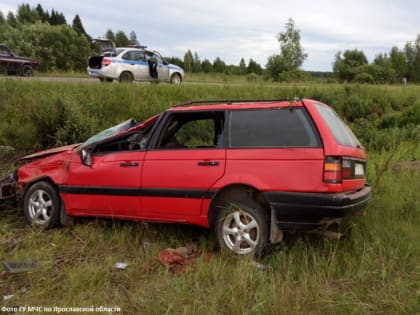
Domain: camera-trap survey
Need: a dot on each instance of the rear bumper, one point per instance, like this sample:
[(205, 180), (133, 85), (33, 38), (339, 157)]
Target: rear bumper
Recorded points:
[(308, 211), (103, 72)]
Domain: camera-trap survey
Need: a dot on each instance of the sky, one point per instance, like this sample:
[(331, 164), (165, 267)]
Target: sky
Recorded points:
[(234, 29)]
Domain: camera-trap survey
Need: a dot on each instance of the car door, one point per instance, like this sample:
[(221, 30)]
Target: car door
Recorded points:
[(162, 68), (110, 186), (178, 173), (7, 62), (135, 63)]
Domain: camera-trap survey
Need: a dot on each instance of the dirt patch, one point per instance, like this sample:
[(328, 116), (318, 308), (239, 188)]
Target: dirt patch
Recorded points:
[(406, 166)]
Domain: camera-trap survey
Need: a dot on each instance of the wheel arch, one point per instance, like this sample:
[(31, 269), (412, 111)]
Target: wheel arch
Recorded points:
[(232, 192), (37, 180)]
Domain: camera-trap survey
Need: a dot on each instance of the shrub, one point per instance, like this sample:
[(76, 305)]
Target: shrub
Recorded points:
[(252, 77), (364, 77)]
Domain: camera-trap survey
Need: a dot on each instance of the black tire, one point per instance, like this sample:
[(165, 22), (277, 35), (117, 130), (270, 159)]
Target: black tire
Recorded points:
[(41, 205), (126, 77), (242, 228), (27, 71), (176, 79)]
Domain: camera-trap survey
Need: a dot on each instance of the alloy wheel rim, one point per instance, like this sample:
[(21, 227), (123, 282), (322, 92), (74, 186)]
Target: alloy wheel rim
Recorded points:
[(241, 232), (40, 207)]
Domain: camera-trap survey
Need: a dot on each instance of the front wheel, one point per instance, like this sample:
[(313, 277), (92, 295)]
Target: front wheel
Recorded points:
[(176, 79), (27, 71), (41, 205), (243, 228)]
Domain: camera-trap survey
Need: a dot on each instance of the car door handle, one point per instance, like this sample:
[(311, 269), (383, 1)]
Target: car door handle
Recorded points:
[(129, 164), (208, 163)]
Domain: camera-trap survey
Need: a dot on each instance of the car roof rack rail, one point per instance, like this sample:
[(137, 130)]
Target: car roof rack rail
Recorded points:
[(230, 101)]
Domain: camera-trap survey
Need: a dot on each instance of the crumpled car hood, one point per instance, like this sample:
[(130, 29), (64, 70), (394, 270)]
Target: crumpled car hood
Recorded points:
[(48, 152)]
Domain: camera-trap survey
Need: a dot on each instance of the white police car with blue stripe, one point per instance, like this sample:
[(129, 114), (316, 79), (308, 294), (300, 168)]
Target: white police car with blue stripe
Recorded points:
[(129, 64)]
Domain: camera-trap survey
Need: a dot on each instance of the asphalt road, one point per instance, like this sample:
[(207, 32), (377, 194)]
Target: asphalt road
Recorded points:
[(52, 79), (94, 80)]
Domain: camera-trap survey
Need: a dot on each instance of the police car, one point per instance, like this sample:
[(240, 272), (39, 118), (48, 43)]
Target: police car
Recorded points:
[(129, 64)]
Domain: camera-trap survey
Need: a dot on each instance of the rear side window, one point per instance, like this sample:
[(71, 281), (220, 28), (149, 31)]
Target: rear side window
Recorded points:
[(342, 134), (134, 55), (280, 127)]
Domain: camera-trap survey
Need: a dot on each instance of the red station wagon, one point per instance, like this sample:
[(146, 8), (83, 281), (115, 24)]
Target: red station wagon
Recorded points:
[(250, 170)]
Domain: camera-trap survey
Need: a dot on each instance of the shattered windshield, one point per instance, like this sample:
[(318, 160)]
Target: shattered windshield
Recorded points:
[(111, 131)]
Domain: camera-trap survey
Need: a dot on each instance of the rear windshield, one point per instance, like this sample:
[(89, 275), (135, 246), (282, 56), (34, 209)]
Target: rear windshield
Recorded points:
[(342, 133)]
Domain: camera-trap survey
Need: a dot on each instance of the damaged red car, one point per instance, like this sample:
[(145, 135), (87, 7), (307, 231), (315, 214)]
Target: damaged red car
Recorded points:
[(250, 170)]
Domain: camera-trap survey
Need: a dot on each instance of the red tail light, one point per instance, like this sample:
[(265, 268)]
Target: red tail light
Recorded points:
[(106, 62), (337, 169), (347, 169), (332, 170)]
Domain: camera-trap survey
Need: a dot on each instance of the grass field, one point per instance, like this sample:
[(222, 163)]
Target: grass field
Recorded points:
[(375, 269)]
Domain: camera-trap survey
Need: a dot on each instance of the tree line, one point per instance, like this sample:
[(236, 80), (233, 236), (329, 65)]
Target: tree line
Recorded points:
[(394, 67), (47, 37)]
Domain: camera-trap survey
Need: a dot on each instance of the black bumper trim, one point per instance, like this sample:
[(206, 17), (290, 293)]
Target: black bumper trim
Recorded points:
[(303, 210)]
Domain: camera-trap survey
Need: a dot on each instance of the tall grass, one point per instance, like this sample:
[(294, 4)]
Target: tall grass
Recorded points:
[(40, 114), (374, 270)]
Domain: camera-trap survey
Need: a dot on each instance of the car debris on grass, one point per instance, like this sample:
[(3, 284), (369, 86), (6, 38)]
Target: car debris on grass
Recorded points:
[(179, 258)]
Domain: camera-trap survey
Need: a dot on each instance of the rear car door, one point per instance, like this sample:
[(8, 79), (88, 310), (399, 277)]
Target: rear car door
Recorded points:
[(136, 64), (188, 157)]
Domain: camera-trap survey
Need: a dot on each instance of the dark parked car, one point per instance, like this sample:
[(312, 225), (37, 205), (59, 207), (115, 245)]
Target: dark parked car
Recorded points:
[(250, 170), (10, 63)]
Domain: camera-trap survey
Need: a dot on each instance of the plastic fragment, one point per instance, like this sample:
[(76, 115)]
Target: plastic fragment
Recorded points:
[(177, 259), (121, 265), (20, 266)]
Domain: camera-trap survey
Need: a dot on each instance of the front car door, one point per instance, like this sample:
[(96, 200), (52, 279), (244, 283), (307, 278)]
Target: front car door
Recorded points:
[(162, 68), (110, 186), (185, 160), (7, 60)]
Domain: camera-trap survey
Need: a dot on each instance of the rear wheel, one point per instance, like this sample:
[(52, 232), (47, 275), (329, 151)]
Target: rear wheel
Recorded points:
[(42, 205), (126, 77), (243, 228), (26, 71)]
